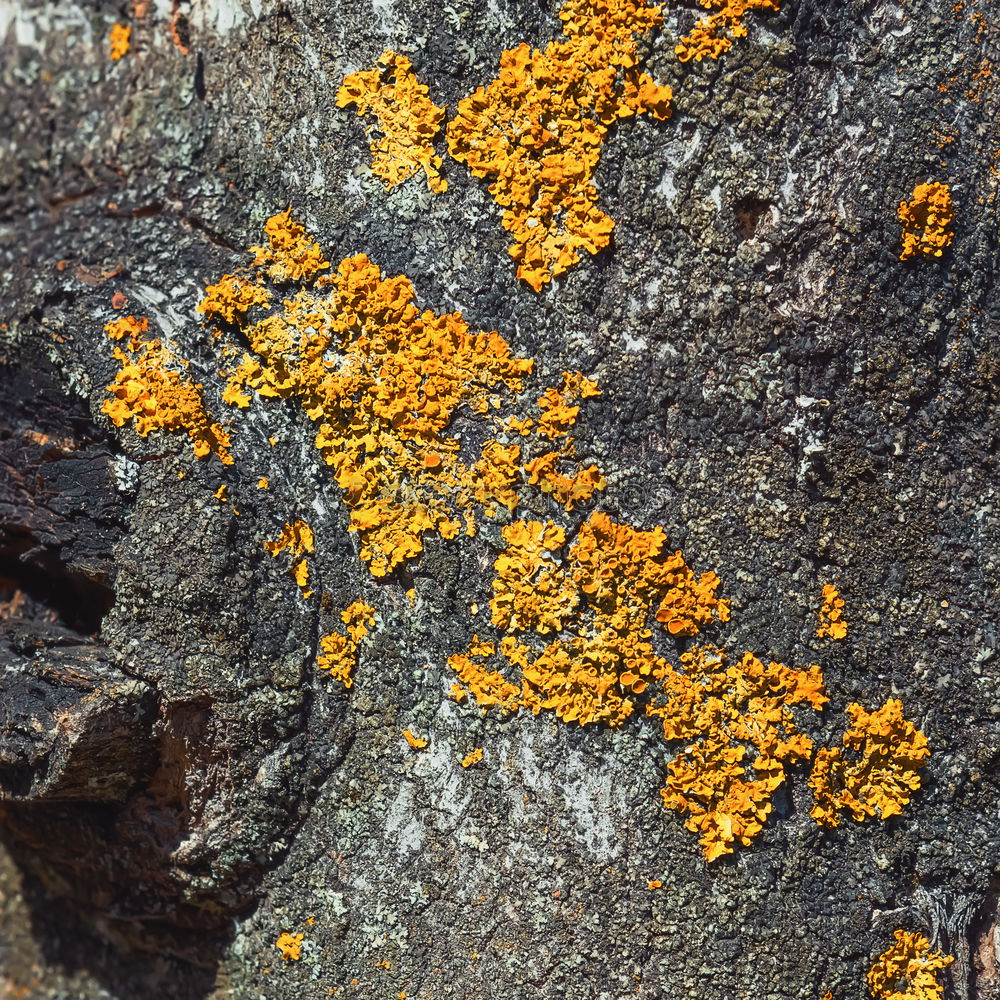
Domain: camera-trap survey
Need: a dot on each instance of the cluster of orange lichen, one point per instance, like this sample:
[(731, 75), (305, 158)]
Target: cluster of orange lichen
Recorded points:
[(291, 253), (231, 298), (406, 116), (890, 750), (721, 709), (339, 654), (536, 130), (604, 590), (908, 970), (290, 946), (831, 614), (383, 381), (154, 393), (713, 35), (925, 219), (472, 757), (120, 40), (297, 539)]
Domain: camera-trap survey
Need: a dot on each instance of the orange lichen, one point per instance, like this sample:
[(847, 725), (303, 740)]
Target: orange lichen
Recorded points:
[(925, 220), (153, 392), (383, 382), (406, 116), (603, 591), (908, 970), (339, 654), (488, 687), (831, 614), (530, 590), (890, 750), (297, 539), (472, 757), (654, 884), (291, 253), (713, 35), (414, 741), (536, 130), (723, 710), (132, 327), (231, 298), (290, 946), (120, 40)]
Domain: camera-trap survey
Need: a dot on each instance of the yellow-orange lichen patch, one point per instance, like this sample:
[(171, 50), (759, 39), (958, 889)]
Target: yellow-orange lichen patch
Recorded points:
[(488, 687), (536, 131), (153, 392), (726, 711), (713, 35), (231, 298), (132, 327), (407, 118), (925, 219), (290, 946), (119, 40), (416, 742), (831, 614), (339, 654), (603, 590), (530, 590), (296, 539), (889, 751), (383, 381), (908, 970), (291, 253), (472, 757)]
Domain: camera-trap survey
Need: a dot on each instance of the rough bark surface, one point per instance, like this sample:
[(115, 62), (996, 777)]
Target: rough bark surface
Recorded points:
[(793, 403)]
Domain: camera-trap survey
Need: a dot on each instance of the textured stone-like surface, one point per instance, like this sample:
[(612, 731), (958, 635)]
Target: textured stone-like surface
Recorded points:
[(789, 400)]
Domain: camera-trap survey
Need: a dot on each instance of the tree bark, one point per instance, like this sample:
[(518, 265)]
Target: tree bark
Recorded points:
[(180, 784)]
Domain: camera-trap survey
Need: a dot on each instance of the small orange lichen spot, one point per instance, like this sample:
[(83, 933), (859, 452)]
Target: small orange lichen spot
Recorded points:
[(118, 301), (709, 38), (231, 298), (458, 693), (262, 483), (220, 493), (297, 539), (151, 393), (290, 946), (719, 708), (536, 130), (473, 757), (925, 220), (654, 884), (415, 741), (120, 39), (831, 614), (291, 253), (406, 116), (828, 995), (890, 751), (908, 970)]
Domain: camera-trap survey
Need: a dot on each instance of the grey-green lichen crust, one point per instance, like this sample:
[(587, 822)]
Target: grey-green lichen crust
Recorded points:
[(790, 400)]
